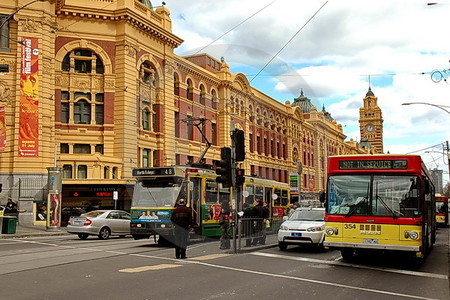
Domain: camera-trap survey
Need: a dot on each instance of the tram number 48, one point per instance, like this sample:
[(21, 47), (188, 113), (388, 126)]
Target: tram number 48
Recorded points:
[(349, 226)]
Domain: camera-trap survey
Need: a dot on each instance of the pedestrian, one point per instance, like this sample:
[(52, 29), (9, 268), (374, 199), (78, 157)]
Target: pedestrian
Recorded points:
[(10, 208), (224, 222), (262, 212), (182, 221)]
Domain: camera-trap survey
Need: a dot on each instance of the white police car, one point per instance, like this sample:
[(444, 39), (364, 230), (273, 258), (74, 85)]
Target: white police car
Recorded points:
[(305, 226)]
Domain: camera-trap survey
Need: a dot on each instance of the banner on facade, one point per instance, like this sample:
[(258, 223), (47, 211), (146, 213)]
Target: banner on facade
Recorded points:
[(2, 129), (29, 99)]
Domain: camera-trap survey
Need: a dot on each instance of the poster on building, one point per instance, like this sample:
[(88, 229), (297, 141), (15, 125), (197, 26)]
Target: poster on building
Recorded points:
[(54, 210), (29, 99), (2, 129)]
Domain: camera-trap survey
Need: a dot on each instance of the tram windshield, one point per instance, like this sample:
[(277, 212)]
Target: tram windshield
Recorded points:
[(159, 192), (373, 195)]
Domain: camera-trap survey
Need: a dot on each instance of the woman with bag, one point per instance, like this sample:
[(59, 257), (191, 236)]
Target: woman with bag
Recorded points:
[(224, 222)]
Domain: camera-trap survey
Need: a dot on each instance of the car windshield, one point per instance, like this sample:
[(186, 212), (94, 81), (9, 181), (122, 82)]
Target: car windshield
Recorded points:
[(93, 214), (307, 215), (373, 195)]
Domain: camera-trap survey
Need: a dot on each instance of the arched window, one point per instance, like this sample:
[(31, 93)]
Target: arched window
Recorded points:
[(213, 99), (83, 61), (82, 112), (202, 94), (190, 90), (176, 84)]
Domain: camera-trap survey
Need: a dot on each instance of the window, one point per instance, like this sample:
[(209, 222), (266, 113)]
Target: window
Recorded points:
[(190, 131), (82, 112), (4, 33), (82, 107), (213, 99), (177, 124), (82, 172), (176, 85), (82, 62), (190, 90), (67, 171), (82, 148), (106, 172), (145, 119), (146, 158), (115, 172), (202, 95), (99, 148), (147, 73), (64, 148), (153, 115)]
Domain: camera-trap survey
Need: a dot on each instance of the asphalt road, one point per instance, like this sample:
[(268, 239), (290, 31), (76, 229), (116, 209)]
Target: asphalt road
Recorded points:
[(64, 267)]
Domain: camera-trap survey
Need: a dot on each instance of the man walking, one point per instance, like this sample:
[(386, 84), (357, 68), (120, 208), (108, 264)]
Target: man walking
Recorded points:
[(182, 220)]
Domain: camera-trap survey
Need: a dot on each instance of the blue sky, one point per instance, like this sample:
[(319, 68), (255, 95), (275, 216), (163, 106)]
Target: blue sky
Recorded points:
[(398, 43)]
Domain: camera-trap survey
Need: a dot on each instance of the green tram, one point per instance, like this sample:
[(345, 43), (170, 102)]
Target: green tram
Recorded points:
[(158, 189)]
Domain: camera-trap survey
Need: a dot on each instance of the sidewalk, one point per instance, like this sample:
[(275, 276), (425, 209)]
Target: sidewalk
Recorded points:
[(33, 231)]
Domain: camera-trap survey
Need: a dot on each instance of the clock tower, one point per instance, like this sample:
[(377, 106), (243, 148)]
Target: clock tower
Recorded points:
[(371, 122)]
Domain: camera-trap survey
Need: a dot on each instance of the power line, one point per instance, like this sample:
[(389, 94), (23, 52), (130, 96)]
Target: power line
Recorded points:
[(242, 22), (284, 46)]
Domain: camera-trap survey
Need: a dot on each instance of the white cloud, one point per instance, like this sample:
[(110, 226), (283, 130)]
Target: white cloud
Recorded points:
[(332, 56)]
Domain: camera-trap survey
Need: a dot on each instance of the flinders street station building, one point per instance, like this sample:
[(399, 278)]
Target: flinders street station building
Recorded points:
[(94, 89)]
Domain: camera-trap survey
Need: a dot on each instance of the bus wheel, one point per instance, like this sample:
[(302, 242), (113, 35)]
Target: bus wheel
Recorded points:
[(347, 253)]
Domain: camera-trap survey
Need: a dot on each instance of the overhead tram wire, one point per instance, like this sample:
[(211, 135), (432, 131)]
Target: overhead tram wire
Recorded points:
[(242, 22), (430, 147), (285, 45)]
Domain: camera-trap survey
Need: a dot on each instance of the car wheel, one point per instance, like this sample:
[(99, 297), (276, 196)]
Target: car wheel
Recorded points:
[(282, 245), (347, 253), (83, 236), (104, 233)]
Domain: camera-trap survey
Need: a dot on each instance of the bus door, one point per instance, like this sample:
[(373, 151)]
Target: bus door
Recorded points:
[(195, 188)]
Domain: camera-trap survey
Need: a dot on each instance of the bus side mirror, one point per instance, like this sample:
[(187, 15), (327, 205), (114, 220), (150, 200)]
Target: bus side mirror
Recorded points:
[(427, 186)]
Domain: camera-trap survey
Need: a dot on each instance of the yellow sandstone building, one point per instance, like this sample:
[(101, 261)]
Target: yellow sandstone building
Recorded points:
[(93, 87)]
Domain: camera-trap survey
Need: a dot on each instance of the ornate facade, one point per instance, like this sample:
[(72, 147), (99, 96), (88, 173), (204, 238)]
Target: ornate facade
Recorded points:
[(112, 96), (371, 122)]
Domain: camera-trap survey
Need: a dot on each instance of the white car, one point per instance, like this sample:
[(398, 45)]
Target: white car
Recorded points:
[(305, 226)]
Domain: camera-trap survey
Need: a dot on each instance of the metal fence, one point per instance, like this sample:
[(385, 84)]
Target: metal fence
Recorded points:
[(253, 231)]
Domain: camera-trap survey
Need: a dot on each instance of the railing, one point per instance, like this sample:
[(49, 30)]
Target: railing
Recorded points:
[(253, 231)]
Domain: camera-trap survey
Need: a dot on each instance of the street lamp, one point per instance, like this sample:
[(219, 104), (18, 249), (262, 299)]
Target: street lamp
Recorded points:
[(440, 107), (6, 19), (431, 104)]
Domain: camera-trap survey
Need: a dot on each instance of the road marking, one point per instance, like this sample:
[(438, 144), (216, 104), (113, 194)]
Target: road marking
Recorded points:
[(149, 268), (208, 257), (338, 263), (319, 282)]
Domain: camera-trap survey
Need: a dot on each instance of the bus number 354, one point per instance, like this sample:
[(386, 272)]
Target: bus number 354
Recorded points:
[(349, 226)]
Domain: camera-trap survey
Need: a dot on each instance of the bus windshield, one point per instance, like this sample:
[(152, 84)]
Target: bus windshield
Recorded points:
[(373, 195), (440, 207), (159, 193)]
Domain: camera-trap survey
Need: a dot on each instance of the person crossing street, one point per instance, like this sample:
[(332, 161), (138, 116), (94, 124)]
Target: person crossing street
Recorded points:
[(182, 220)]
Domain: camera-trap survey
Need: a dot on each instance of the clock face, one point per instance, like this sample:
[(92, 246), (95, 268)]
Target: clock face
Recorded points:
[(369, 127)]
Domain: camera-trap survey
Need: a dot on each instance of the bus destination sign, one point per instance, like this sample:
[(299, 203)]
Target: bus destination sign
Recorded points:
[(387, 164), (153, 172)]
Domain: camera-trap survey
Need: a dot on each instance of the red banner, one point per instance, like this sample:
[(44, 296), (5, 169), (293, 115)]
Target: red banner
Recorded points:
[(29, 99), (2, 129)]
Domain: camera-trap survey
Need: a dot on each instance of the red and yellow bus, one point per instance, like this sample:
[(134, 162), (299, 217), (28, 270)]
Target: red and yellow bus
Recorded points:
[(379, 202), (441, 210), (158, 189)]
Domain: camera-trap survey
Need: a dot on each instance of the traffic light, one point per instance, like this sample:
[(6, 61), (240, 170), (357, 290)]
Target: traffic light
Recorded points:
[(238, 137), (240, 177), (225, 168)]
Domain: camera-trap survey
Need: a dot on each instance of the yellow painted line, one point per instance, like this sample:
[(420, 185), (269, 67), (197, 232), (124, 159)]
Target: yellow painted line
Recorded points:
[(211, 256), (149, 268)]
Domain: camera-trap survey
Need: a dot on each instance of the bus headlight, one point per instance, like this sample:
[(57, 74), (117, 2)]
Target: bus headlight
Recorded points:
[(414, 235), (331, 231)]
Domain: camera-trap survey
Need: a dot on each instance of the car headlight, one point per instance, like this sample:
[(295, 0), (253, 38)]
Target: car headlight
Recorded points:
[(284, 227), (314, 229)]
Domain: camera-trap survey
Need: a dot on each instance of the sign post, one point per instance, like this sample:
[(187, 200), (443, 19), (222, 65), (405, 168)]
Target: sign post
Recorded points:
[(115, 198)]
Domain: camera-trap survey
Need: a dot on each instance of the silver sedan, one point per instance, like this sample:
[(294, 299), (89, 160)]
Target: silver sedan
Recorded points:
[(102, 223)]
